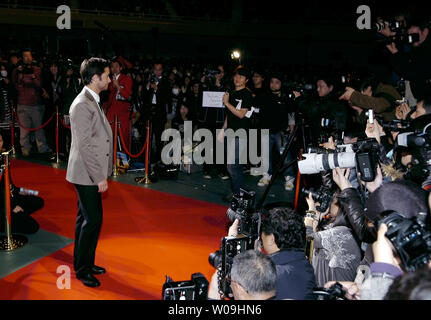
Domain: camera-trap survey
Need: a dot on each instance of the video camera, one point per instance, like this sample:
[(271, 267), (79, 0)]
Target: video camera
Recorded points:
[(194, 289), (411, 239), (242, 208), (305, 89), (363, 155)]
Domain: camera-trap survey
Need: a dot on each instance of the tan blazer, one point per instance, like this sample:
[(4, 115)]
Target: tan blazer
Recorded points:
[(90, 158)]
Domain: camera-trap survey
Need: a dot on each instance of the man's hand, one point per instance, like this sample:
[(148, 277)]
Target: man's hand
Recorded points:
[(341, 178), (373, 186), (233, 230), (402, 111), (226, 98), (310, 202), (353, 291), (103, 186), (18, 209), (392, 48), (330, 145), (116, 84), (45, 94), (348, 94), (374, 130), (382, 248), (297, 94)]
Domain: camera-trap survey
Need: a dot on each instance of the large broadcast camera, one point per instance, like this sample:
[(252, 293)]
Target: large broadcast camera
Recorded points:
[(243, 209), (411, 239), (363, 155)]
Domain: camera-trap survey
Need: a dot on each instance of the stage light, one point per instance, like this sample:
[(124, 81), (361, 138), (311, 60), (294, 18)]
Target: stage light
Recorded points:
[(236, 54)]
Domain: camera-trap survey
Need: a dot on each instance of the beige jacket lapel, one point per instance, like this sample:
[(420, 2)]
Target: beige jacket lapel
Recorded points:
[(102, 115)]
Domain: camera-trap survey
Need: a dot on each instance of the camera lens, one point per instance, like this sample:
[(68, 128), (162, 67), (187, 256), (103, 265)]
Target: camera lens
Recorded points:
[(215, 259)]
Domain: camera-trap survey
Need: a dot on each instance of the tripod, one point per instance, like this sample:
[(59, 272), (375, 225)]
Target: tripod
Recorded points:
[(299, 128)]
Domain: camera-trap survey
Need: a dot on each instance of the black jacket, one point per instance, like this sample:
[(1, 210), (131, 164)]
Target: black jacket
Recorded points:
[(354, 209), (274, 112), (163, 96), (415, 66), (295, 275)]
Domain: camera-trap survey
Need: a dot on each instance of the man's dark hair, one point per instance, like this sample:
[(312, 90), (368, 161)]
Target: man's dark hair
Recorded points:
[(26, 50), (287, 227), (92, 66), (255, 272), (117, 61), (411, 286), (427, 104)]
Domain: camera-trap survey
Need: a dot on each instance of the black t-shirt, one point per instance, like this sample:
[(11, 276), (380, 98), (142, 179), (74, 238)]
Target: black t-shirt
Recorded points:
[(244, 100)]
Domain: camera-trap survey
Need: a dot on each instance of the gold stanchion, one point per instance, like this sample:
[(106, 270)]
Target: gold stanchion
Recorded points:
[(57, 138), (9, 242), (12, 134), (146, 178), (115, 169)]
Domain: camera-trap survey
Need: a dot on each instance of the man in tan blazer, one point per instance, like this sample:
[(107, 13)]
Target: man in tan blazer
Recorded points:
[(90, 164)]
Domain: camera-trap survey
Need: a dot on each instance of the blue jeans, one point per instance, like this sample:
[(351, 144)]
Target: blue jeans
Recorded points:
[(275, 141), (236, 169)]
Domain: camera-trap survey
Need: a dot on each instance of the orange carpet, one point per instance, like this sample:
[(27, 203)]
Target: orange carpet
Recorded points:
[(146, 235)]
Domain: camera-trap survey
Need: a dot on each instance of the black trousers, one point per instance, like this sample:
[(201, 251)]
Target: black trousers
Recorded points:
[(22, 222), (88, 225)]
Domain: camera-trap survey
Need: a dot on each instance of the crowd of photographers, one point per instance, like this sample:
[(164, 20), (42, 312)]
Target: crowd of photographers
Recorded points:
[(367, 229), (363, 138)]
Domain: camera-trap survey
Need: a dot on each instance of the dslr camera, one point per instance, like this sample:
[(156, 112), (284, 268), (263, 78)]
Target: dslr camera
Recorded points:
[(194, 289), (242, 208), (323, 196), (401, 33), (411, 239), (362, 155)]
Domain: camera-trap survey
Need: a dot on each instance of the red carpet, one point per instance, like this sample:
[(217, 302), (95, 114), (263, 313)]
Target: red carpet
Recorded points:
[(146, 235)]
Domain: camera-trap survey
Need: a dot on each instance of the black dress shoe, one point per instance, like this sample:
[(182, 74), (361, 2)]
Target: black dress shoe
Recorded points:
[(97, 270), (88, 279)]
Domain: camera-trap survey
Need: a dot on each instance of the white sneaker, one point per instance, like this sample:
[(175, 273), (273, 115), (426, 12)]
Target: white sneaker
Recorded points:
[(290, 183), (264, 181)]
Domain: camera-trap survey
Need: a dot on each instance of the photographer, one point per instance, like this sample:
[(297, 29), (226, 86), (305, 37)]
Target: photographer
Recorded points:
[(374, 95), (6, 102), (28, 82), (157, 98), (336, 252), (414, 66), (253, 277), (326, 106), (283, 239), (277, 114)]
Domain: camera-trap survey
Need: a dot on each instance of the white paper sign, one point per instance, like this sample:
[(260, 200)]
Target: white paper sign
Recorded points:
[(213, 99)]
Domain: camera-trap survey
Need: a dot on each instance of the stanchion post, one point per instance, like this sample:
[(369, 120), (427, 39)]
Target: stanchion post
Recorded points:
[(9, 242), (298, 186), (57, 132), (115, 169), (147, 155), (12, 133)]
